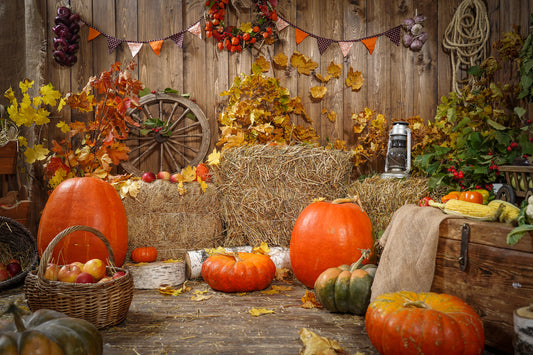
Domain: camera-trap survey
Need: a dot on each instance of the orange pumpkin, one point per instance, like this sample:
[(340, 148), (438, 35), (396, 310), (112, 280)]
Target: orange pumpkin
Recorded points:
[(144, 254), (326, 235), (90, 202)]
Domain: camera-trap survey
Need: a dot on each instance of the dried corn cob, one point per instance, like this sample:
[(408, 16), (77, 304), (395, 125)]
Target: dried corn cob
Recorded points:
[(469, 209), (509, 213)]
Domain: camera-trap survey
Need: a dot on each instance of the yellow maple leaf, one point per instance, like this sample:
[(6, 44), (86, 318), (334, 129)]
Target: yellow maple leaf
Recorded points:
[(335, 70), (332, 116), (309, 300), (318, 199), (261, 249), (128, 187), (49, 95), (38, 152), (303, 63), (10, 95), (246, 27), (25, 85), (322, 78), (23, 142), (200, 295), (181, 190), (256, 312), (314, 344), (262, 63), (281, 59), (318, 92), (189, 173), (213, 251), (203, 184), (354, 79), (64, 127)]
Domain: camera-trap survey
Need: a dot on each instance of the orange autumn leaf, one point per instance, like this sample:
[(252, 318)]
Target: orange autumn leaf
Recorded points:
[(354, 79), (335, 70), (322, 79), (318, 92), (309, 301), (303, 63), (281, 60)]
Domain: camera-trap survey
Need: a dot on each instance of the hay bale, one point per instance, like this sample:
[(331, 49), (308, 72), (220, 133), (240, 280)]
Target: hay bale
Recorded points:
[(160, 217), (382, 197), (263, 189)]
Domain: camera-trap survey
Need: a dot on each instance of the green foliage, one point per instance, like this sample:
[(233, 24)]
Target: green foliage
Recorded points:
[(480, 129), (526, 68)]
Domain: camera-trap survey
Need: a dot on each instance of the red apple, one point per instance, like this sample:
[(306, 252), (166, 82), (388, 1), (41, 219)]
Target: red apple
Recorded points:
[(51, 272), (96, 268), (176, 178), (105, 279), (13, 269), (3, 275), (118, 274), (84, 278), (163, 175), (68, 273), (148, 177)]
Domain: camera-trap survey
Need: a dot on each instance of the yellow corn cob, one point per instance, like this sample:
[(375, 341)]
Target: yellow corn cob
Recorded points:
[(509, 213), (469, 209)]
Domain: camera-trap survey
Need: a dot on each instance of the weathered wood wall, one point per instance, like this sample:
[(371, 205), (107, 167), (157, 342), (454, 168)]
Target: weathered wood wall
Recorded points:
[(398, 82)]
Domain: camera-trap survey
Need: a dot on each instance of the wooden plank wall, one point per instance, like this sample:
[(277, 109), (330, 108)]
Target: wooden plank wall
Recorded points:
[(398, 83)]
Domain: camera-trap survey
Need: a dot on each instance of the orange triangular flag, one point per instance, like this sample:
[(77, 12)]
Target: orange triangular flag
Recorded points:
[(156, 46), (93, 34), (300, 35), (369, 43)]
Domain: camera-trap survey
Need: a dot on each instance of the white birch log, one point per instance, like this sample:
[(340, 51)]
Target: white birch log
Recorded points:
[(195, 258), (523, 329), (152, 275)]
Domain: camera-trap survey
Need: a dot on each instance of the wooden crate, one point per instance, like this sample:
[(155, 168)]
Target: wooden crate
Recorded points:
[(8, 158), (496, 279), (18, 212)]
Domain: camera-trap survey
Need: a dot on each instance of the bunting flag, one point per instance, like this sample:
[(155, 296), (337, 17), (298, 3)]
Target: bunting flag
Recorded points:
[(178, 39), (93, 34), (394, 34), (370, 43), (323, 44), (345, 47), (156, 46), (281, 24), (196, 30), (135, 47), (300, 35), (112, 43)]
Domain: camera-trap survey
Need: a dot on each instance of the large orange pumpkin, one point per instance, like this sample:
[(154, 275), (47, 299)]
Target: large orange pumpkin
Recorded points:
[(424, 323), (326, 235), (90, 202)]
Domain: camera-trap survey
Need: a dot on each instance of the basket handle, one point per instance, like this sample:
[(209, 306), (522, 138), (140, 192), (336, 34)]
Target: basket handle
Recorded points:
[(45, 258)]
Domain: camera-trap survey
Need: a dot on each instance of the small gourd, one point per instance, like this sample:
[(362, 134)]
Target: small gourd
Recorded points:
[(346, 289), (49, 332), (144, 254)]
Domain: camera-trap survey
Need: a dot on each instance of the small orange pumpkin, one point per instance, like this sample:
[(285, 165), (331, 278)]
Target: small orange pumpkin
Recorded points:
[(144, 254)]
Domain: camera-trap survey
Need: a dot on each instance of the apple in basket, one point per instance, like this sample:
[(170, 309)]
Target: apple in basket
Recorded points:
[(68, 273), (51, 272), (84, 278), (13, 268), (96, 268), (118, 274), (105, 279), (78, 264), (3, 275)]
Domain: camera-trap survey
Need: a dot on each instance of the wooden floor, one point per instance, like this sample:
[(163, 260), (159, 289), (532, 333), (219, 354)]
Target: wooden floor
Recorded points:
[(222, 323)]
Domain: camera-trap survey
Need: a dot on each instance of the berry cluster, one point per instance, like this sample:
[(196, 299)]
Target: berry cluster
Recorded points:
[(67, 37), (233, 38)]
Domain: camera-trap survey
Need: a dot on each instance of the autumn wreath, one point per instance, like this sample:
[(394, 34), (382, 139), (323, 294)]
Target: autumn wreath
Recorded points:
[(233, 38)]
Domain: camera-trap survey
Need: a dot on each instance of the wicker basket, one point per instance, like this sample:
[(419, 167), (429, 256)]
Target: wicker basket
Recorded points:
[(16, 242), (103, 304)]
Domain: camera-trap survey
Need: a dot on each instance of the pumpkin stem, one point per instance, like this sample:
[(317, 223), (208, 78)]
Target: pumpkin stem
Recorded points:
[(350, 199), (236, 256), (416, 304), (17, 313), (365, 253)]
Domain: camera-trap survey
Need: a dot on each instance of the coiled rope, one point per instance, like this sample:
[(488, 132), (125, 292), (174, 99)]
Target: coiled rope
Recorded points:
[(466, 37)]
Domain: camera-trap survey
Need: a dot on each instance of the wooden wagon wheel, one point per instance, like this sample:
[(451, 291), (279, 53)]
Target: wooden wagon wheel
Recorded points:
[(172, 129)]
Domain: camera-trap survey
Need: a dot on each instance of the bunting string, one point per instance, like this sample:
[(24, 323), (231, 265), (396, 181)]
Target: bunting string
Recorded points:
[(394, 34)]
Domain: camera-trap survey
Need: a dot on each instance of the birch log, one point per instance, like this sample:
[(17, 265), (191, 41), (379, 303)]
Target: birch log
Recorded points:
[(152, 275), (195, 258), (523, 328)]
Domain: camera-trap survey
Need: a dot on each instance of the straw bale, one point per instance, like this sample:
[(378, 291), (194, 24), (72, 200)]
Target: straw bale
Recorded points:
[(160, 217), (381, 197), (263, 189)]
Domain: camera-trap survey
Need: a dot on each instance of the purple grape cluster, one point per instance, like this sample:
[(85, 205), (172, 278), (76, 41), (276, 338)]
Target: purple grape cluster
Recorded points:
[(66, 36)]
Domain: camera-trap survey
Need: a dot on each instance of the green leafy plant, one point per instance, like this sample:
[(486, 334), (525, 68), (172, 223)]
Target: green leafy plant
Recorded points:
[(480, 129)]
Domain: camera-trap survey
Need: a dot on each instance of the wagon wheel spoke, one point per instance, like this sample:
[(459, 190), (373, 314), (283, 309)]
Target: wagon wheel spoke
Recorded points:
[(173, 132)]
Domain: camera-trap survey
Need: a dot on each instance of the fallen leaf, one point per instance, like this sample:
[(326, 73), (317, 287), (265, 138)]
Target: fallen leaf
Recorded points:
[(319, 199), (335, 70), (189, 173), (321, 78), (318, 92), (281, 60), (303, 63), (213, 251), (314, 344), (214, 158), (332, 116), (262, 63), (354, 79), (309, 301), (261, 249), (200, 295), (256, 312), (169, 290), (282, 274)]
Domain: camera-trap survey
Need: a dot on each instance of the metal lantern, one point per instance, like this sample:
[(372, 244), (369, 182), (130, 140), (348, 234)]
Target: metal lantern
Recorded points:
[(398, 159)]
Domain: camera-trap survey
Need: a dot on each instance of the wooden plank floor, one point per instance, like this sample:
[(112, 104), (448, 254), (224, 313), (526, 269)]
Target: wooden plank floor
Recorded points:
[(222, 324)]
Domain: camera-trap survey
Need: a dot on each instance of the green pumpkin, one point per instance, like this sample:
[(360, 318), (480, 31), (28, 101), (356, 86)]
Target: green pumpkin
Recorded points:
[(49, 332), (346, 289)]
